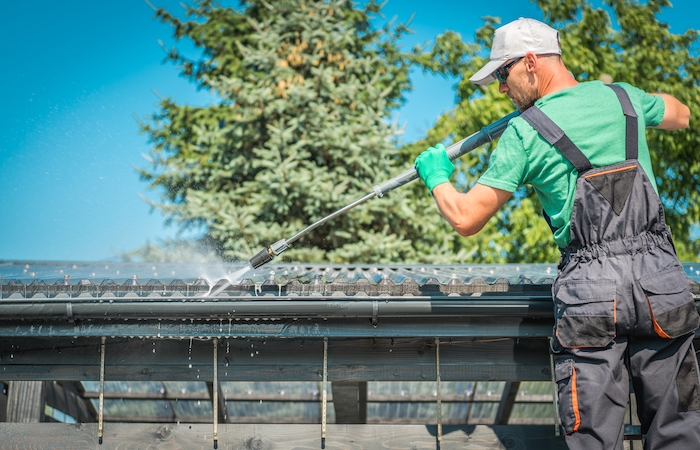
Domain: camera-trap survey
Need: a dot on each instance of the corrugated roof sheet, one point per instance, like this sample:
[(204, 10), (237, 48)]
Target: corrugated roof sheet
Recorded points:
[(118, 279)]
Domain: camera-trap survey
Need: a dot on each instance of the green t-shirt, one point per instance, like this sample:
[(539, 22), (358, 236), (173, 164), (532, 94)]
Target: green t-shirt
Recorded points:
[(591, 116)]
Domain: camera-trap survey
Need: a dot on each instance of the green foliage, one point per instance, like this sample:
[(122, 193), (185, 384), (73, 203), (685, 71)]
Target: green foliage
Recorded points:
[(639, 50), (301, 129)]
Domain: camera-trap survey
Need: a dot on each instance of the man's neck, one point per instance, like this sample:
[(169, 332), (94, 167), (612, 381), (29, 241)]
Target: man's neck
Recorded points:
[(555, 80)]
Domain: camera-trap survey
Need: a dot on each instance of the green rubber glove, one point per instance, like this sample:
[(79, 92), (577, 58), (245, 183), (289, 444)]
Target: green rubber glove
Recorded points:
[(434, 166)]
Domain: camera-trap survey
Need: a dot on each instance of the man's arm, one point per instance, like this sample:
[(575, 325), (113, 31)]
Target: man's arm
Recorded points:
[(676, 114), (468, 212)]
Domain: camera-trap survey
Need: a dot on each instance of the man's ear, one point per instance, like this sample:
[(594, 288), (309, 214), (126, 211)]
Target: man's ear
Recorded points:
[(530, 62)]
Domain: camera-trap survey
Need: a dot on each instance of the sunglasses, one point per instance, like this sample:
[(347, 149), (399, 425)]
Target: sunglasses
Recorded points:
[(501, 74)]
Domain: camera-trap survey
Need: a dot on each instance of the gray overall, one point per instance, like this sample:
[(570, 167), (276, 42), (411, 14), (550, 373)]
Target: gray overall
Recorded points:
[(622, 307)]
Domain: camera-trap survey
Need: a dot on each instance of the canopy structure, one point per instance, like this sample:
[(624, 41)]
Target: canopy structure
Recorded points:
[(285, 356)]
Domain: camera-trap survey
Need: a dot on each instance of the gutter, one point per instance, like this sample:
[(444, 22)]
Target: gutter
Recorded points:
[(176, 307)]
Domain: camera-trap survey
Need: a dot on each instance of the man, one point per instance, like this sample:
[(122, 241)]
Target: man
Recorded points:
[(621, 298)]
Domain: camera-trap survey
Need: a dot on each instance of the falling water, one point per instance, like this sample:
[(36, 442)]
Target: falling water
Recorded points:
[(189, 354)]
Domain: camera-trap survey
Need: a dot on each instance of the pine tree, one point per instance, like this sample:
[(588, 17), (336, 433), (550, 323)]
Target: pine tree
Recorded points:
[(301, 129)]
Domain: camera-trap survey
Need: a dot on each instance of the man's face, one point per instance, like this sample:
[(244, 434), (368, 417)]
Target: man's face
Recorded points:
[(520, 86)]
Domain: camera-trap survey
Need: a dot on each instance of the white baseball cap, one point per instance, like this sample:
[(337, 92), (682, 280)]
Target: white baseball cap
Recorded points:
[(514, 40)]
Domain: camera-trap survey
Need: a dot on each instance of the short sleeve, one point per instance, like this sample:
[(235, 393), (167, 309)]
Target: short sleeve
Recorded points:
[(652, 106), (508, 163)]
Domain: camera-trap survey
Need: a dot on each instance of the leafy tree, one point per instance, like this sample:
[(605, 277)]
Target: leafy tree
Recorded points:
[(631, 46), (301, 129)]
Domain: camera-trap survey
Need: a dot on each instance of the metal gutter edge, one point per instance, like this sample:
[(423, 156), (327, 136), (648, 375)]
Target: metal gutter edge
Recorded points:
[(282, 307)]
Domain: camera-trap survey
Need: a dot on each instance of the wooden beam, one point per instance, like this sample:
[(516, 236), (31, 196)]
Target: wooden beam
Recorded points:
[(3, 402), (505, 406), (223, 413), (67, 400), (150, 359), (79, 389), (268, 436), (26, 401), (363, 402), (350, 401)]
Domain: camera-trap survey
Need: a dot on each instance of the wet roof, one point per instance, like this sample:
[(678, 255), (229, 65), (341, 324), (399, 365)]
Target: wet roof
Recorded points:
[(279, 301), (96, 273), (52, 278)]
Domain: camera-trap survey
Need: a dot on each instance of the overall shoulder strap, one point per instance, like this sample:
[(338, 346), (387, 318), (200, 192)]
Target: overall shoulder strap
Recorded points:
[(551, 132), (632, 138)]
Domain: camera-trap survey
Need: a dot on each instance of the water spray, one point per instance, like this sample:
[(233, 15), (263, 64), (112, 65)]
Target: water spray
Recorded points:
[(454, 151)]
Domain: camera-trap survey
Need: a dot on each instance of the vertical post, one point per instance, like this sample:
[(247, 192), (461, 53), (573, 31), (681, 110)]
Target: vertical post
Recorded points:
[(324, 398), (505, 406), (555, 392), (439, 395), (215, 394), (25, 402), (100, 425), (471, 402)]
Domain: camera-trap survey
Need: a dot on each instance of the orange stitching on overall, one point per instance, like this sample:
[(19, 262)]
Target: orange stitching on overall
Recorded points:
[(657, 327), (574, 400), (621, 169)]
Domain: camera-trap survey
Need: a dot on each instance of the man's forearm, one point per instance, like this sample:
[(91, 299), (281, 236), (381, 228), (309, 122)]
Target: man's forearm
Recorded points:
[(469, 212), (676, 114)]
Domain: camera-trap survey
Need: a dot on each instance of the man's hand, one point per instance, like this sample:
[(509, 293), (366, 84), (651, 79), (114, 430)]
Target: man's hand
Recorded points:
[(434, 166)]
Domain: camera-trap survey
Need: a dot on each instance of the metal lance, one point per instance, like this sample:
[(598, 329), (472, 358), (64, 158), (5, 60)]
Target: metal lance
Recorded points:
[(454, 151)]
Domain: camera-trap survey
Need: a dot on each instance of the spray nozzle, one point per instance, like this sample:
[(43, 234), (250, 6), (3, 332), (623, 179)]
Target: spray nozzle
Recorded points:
[(265, 255)]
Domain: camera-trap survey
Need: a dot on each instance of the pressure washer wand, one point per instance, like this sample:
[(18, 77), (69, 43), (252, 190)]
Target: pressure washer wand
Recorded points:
[(454, 151)]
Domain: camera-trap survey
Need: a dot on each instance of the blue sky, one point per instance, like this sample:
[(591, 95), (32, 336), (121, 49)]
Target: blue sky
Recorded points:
[(74, 73)]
